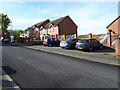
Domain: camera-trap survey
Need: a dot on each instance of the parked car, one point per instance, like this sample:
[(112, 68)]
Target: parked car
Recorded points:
[(88, 44), (68, 43), (51, 41), (5, 40)]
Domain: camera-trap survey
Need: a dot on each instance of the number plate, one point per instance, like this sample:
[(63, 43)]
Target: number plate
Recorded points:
[(80, 48)]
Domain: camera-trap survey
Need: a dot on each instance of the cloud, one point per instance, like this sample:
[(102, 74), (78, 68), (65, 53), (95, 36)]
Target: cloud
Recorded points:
[(92, 18), (24, 23)]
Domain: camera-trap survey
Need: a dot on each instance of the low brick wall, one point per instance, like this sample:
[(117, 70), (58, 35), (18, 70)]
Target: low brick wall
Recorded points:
[(117, 47)]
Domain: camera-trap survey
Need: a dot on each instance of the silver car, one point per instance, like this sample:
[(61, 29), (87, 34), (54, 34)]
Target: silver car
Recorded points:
[(68, 43)]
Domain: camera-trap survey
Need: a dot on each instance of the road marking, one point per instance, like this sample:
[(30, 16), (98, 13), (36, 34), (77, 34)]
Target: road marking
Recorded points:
[(18, 57), (14, 85)]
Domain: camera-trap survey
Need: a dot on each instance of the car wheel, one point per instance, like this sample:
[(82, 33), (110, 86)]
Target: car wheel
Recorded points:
[(90, 49), (63, 47), (101, 47), (72, 46), (49, 45)]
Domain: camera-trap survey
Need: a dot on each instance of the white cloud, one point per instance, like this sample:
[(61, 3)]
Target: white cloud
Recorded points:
[(22, 23), (92, 19)]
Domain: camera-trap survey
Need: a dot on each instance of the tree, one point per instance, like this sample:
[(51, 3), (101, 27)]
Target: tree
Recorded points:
[(4, 21), (15, 33)]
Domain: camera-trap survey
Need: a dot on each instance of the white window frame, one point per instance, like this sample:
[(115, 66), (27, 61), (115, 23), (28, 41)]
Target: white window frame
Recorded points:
[(43, 31), (52, 28)]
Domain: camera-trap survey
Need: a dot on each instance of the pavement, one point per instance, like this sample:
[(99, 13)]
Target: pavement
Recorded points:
[(41, 69), (106, 56)]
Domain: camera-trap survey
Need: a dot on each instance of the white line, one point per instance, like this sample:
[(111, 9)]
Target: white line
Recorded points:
[(18, 57), (9, 79)]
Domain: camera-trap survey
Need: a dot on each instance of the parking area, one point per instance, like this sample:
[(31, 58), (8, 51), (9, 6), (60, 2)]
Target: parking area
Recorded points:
[(105, 55)]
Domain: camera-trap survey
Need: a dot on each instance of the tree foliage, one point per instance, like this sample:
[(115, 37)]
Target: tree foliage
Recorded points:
[(4, 21), (15, 33)]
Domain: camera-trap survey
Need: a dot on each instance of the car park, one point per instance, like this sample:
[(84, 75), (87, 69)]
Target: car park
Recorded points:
[(51, 41), (68, 43), (88, 44)]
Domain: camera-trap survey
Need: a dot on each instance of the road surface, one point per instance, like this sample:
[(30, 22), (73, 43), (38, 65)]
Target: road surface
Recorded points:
[(38, 69)]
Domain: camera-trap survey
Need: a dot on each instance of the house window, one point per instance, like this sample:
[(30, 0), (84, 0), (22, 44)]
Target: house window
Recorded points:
[(43, 31), (52, 28)]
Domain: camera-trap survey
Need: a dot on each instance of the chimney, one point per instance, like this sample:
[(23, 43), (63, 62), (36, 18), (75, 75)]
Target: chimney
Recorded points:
[(90, 35)]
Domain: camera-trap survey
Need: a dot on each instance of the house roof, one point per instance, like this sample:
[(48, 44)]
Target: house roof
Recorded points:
[(56, 22), (42, 23), (113, 21)]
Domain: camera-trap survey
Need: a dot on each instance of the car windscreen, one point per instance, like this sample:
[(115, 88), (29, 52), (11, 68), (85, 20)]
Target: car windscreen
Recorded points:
[(68, 39), (83, 41)]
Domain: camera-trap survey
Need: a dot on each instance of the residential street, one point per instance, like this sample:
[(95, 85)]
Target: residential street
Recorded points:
[(39, 69)]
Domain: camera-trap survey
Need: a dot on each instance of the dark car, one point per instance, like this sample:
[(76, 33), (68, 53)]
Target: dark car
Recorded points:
[(51, 41), (68, 43), (88, 44), (5, 40)]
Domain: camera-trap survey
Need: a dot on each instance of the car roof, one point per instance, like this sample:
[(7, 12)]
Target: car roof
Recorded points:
[(88, 38)]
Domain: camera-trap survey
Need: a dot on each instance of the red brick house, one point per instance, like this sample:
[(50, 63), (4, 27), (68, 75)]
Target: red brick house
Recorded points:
[(61, 28), (113, 32), (34, 30), (113, 36)]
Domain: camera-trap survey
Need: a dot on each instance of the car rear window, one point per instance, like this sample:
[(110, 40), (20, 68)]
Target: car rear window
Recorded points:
[(83, 41)]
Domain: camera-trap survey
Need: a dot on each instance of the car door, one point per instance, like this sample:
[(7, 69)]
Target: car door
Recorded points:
[(96, 44), (74, 41), (92, 44)]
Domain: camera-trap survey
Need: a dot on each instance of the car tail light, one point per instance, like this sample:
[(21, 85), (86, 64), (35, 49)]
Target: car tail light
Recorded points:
[(47, 41), (67, 42)]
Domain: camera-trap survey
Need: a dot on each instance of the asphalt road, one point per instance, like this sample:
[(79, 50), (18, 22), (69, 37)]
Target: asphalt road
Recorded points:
[(38, 69)]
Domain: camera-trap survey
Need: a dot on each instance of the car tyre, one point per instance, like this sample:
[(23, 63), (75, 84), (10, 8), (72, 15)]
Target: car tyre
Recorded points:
[(101, 47), (72, 46), (49, 45), (63, 47), (90, 49)]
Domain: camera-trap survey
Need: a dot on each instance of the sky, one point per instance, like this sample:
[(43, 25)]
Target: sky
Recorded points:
[(90, 17)]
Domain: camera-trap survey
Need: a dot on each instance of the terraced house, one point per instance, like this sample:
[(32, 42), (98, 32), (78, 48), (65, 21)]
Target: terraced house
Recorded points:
[(61, 28), (34, 31)]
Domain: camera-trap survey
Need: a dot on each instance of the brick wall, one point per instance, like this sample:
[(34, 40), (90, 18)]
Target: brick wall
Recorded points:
[(54, 32), (117, 47), (115, 32), (67, 27)]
